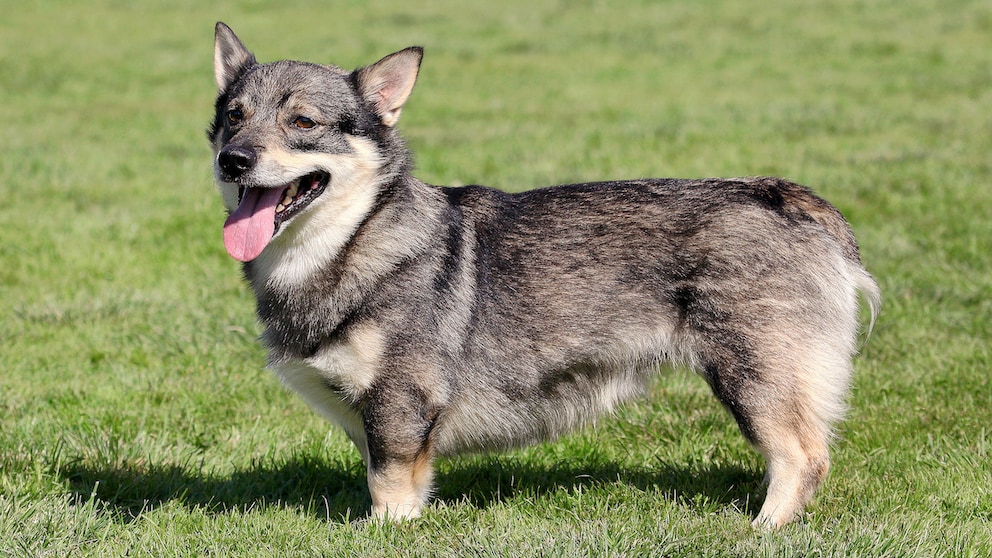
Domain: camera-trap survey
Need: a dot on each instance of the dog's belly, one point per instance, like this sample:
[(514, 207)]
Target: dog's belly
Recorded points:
[(489, 418), (570, 383)]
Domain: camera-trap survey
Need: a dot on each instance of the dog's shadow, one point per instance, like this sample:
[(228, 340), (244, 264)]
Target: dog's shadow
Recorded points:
[(489, 480), (337, 491)]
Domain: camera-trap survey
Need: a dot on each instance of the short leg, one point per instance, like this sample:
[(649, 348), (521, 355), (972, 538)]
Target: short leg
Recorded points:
[(399, 454), (796, 468), (400, 487), (787, 412), (793, 430)]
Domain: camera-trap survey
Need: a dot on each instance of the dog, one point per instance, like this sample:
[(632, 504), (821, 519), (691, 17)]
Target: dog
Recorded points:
[(427, 321)]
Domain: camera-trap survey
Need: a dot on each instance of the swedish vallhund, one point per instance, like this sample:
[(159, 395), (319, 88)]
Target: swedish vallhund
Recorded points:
[(430, 320)]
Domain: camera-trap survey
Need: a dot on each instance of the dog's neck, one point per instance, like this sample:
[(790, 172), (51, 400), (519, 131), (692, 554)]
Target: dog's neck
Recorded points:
[(311, 278)]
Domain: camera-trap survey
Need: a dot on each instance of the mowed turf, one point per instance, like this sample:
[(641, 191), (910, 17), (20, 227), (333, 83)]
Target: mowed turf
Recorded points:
[(135, 414)]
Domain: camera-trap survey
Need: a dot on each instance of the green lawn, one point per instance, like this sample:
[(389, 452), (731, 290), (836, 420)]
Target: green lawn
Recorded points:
[(136, 418)]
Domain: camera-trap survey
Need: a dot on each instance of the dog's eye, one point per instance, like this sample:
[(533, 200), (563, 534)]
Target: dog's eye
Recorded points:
[(235, 116), (304, 123)]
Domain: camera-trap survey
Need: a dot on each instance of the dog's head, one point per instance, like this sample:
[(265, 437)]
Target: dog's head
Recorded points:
[(286, 133)]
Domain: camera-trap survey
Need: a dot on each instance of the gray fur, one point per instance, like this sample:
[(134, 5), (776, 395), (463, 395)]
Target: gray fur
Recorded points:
[(453, 319)]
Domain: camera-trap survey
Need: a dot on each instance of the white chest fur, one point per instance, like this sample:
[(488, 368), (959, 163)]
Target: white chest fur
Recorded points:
[(333, 378)]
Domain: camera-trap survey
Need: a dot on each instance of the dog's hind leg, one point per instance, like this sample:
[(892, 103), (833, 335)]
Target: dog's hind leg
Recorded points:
[(785, 402), (796, 468), (795, 435)]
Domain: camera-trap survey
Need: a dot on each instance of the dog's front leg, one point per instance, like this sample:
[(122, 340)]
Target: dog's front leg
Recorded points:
[(400, 487), (400, 459)]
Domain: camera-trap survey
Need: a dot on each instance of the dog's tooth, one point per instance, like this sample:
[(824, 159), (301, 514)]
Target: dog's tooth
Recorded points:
[(293, 188), (280, 208), (287, 200)]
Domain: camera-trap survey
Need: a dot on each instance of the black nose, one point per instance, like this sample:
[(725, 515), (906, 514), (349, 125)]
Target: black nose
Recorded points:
[(235, 160)]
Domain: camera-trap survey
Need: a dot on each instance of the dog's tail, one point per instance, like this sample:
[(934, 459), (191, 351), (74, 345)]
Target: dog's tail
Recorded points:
[(873, 295)]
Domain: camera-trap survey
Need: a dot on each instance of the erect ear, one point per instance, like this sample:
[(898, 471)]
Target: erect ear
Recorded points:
[(387, 84), (231, 58)]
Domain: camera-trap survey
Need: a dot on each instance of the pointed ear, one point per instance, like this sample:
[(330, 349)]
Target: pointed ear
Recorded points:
[(231, 58), (387, 84)]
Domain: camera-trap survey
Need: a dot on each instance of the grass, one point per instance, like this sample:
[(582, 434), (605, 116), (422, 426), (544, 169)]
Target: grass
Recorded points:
[(135, 417)]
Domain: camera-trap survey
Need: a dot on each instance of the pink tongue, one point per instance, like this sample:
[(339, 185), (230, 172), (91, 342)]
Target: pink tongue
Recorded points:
[(250, 227)]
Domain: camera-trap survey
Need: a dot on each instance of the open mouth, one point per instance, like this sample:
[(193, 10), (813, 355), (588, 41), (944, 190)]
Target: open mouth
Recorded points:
[(296, 196), (261, 211)]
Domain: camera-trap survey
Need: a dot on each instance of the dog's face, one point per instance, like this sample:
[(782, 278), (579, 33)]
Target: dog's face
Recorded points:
[(287, 133)]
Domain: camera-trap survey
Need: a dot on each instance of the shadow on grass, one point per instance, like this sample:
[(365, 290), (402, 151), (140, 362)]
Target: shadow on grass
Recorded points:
[(333, 491), (489, 480), (337, 492)]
